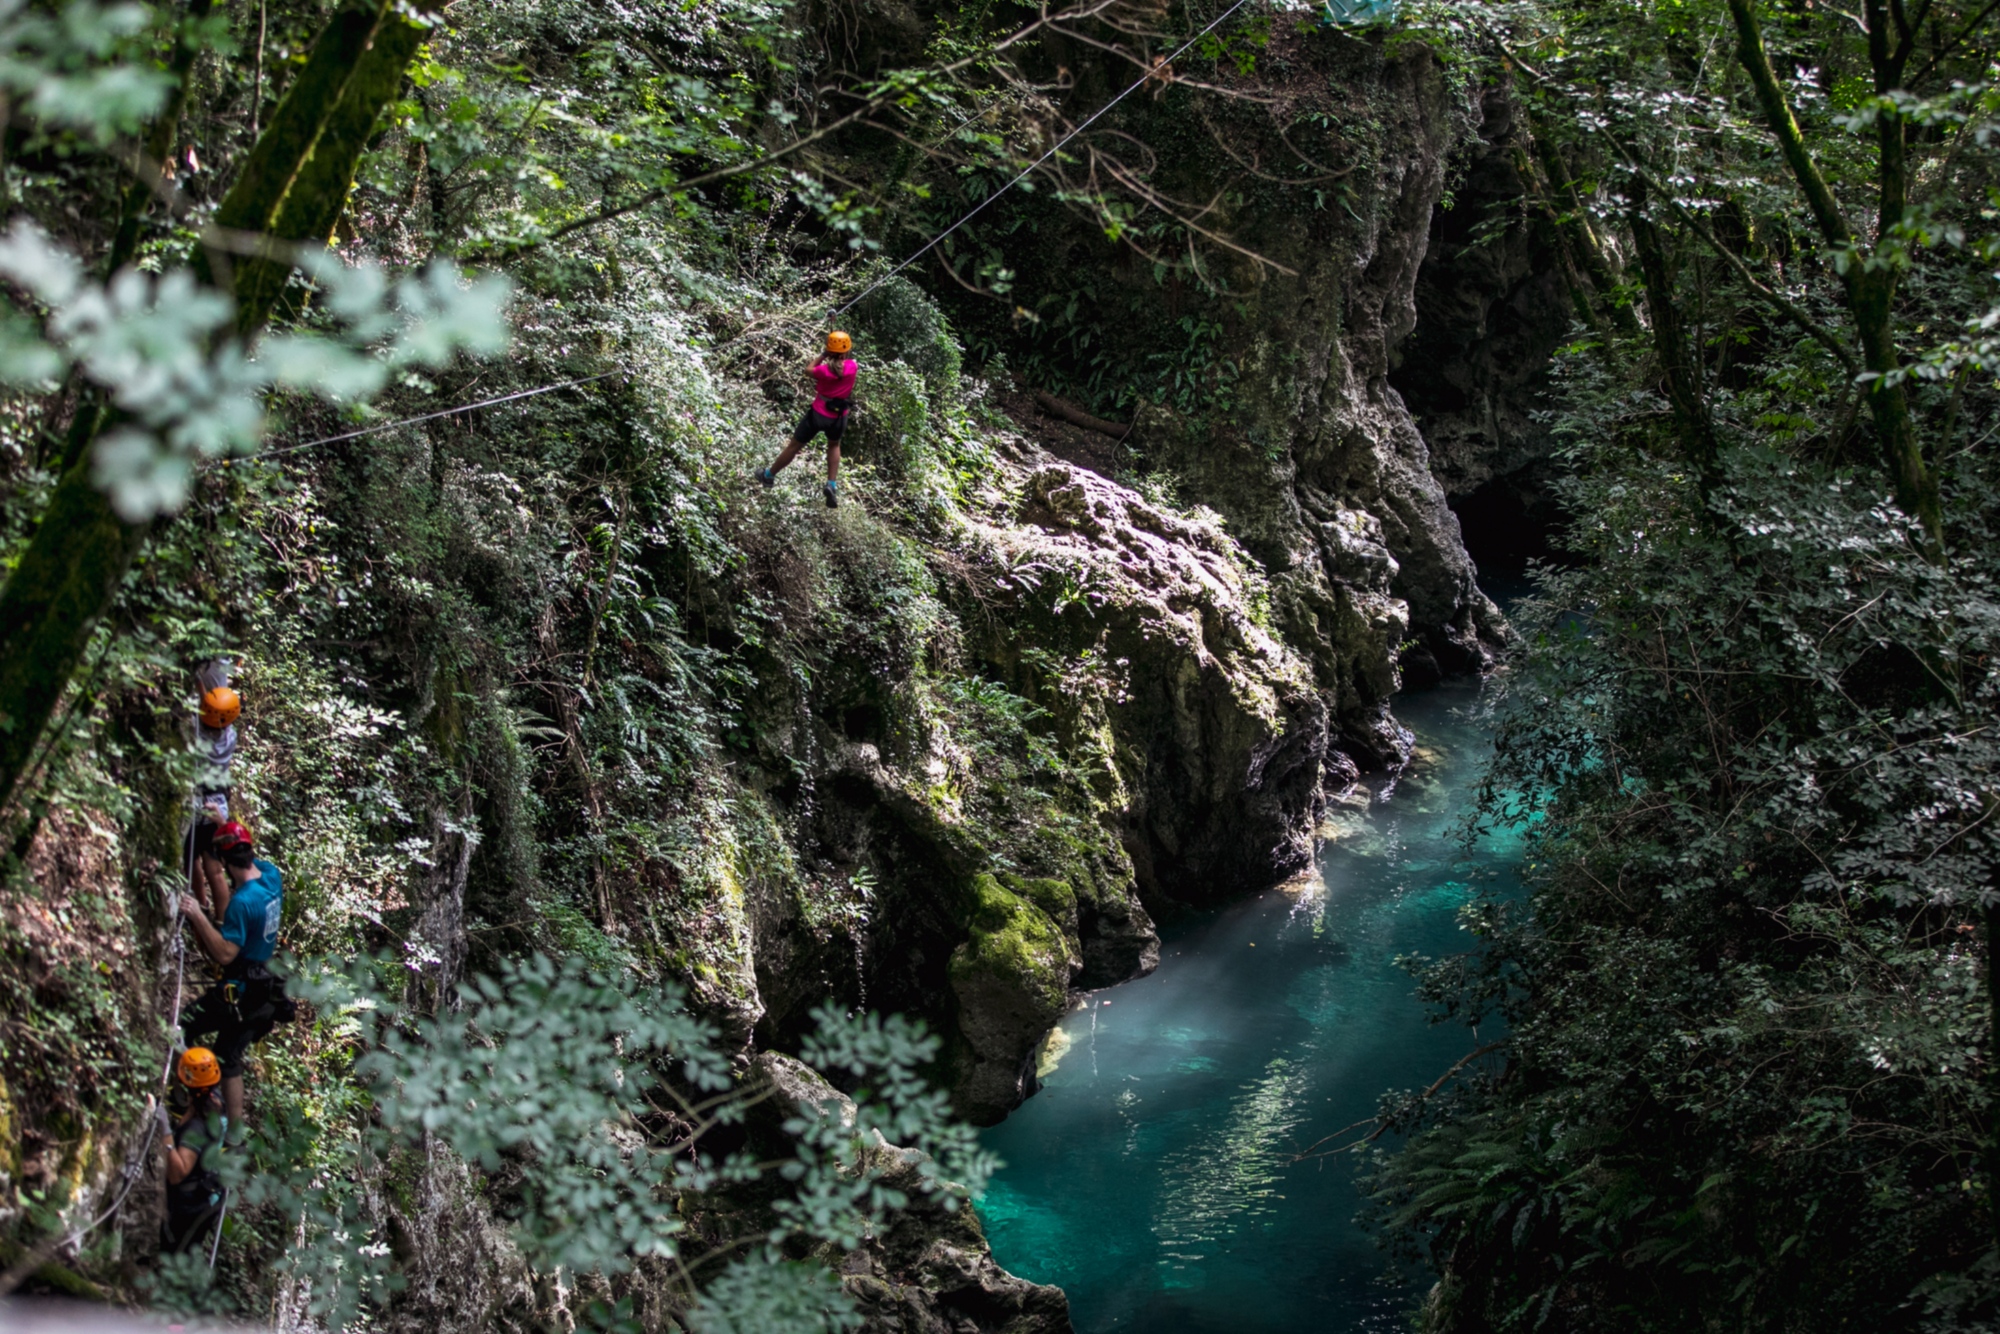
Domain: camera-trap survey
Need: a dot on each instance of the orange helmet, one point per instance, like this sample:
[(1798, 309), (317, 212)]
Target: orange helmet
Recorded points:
[(220, 707), (198, 1068), (839, 342)]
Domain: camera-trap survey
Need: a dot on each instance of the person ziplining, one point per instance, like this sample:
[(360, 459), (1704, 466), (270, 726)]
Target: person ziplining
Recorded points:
[(833, 377)]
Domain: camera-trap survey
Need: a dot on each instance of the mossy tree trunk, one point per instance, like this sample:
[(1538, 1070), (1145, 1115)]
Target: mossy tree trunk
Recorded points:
[(292, 187), (1869, 278), (318, 195)]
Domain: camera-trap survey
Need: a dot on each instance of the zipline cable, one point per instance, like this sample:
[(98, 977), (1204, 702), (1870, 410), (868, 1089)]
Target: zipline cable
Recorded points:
[(1152, 72), (430, 416), (135, 1168)]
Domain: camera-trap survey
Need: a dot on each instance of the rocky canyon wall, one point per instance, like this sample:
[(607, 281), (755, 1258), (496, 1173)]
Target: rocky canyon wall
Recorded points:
[(947, 750)]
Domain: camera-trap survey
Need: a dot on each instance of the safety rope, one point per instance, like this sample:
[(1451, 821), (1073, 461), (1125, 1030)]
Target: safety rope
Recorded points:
[(135, 1166), (1153, 72)]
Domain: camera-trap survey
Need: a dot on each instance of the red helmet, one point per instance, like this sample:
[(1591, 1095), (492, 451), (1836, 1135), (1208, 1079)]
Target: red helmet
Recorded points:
[(229, 834)]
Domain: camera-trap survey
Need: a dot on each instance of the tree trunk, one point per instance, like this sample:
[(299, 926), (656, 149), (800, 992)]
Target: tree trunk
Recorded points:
[(1871, 297), (319, 193), (68, 576), (250, 210), (1573, 230), (1670, 346), (1870, 294)]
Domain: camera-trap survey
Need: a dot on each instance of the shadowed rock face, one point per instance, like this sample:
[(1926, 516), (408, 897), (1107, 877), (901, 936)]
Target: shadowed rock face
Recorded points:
[(1321, 470), (1491, 311)]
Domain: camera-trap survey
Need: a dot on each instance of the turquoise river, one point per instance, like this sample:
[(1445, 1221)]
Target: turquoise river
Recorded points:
[(1156, 1176)]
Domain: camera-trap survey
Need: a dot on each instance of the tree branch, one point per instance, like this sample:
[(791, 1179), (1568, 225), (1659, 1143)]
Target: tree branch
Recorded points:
[(1971, 27), (1776, 299), (610, 212)]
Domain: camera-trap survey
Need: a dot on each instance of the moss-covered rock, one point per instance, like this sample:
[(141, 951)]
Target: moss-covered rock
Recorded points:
[(1144, 633), (1011, 980)]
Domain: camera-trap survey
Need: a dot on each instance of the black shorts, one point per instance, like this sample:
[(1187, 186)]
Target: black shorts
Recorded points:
[(816, 421), (238, 1011)]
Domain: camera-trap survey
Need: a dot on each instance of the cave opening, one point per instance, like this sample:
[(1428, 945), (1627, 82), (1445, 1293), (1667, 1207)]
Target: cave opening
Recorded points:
[(1509, 521)]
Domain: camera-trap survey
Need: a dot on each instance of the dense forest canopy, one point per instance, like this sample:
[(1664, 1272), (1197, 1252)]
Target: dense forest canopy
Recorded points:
[(572, 742), (1751, 1077)]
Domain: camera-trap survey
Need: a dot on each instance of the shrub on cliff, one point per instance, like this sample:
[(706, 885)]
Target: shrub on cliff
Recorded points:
[(600, 1117)]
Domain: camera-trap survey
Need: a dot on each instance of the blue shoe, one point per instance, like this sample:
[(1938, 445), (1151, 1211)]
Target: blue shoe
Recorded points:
[(766, 476), (832, 490)]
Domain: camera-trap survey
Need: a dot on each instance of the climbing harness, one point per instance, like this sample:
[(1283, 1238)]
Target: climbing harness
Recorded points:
[(1152, 75)]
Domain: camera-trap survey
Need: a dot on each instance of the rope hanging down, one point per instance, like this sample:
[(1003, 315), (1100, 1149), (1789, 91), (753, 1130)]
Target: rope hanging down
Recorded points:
[(1152, 72), (134, 1167)]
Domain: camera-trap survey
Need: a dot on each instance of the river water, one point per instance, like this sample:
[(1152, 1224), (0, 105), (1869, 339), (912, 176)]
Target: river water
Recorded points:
[(1154, 1176)]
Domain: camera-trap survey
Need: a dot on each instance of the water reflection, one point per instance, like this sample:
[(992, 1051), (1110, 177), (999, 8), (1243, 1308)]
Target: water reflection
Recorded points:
[(1154, 1176)]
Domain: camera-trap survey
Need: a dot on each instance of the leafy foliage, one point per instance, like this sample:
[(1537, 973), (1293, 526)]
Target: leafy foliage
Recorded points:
[(1748, 1011), (156, 347), (1752, 1074), (590, 1103)]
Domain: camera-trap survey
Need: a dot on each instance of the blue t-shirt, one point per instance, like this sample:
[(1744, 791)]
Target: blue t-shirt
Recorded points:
[(251, 921)]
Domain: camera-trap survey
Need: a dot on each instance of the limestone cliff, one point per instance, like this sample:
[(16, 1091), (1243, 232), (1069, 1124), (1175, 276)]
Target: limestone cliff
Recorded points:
[(1293, 431)]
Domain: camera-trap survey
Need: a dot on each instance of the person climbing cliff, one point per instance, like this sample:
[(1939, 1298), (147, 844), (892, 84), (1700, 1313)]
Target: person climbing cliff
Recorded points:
[(248, 1000), (215, 747), (833, 376), (207, 880), (195, 1191)]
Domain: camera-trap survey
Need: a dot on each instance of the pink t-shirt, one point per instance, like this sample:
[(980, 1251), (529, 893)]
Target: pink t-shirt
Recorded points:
[(833, 383)]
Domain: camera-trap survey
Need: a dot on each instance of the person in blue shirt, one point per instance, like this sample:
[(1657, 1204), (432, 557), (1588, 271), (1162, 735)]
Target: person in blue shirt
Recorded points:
[(248, 1000)]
